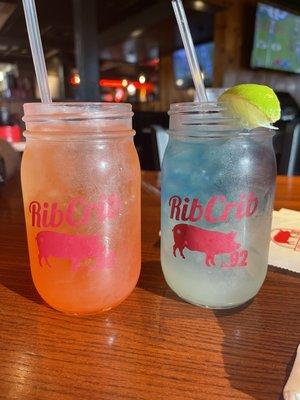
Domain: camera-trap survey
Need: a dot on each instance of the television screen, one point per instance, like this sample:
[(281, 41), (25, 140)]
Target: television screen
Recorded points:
[(276, 39), (181, 68)]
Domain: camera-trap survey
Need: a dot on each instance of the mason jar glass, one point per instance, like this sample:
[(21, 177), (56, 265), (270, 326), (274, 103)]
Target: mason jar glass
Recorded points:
[(81, 190), (217, 190)]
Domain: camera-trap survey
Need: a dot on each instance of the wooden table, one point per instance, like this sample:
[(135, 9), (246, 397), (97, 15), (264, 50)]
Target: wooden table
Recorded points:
[(153, 346)]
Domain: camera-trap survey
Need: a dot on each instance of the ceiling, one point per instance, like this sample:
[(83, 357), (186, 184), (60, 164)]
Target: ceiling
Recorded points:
[(129, 31), (149, 29)]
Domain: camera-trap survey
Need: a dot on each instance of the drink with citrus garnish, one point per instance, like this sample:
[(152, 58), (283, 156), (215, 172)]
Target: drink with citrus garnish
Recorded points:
[(81, 190), (217, 193)]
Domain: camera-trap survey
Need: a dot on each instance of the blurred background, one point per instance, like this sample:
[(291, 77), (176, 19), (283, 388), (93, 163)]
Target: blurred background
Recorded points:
[(117, 51)]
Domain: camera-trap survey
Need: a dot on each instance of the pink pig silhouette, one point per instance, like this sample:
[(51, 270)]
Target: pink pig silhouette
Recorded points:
[(209, 242), (74, 248)]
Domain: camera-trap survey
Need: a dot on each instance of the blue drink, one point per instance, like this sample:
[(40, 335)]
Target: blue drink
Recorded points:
[(217, 200)]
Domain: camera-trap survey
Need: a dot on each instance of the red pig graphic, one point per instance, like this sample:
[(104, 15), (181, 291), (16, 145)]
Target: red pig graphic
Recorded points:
[(74, 248), (209, 242), (282, 236)]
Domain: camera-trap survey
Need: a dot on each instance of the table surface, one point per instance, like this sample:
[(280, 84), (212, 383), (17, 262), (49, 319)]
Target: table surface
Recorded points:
[(153, 346)]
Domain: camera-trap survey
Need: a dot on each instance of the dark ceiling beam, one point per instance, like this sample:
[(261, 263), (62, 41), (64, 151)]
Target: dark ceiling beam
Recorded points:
[(12, 1), (13, 19), (141, 21), (15, 59), (22, 42), (9, 41), (6, 10)]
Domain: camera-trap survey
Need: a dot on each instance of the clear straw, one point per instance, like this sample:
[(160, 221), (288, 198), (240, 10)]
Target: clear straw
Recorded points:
[(37, 50), (189, 49)]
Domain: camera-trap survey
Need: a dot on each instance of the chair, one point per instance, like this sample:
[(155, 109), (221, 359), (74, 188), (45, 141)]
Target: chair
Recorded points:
[(150, 138), (9, 161), (286, 141), (162, 139), (289, 163)]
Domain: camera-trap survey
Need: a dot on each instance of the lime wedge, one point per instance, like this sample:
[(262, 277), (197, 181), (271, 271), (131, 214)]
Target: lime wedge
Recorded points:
[(254, 105)]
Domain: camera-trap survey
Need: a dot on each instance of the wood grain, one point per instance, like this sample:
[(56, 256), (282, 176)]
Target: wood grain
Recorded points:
[(287, 192), (153, 346)]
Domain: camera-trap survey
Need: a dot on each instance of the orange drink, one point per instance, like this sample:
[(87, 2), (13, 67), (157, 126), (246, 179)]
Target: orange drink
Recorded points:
[(81, 190)]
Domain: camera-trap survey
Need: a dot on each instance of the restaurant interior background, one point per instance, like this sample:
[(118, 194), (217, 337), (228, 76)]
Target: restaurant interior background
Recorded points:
[(131, 51)]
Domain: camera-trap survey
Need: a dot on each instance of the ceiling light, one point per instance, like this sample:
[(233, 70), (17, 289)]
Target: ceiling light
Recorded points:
[(131, 89), (119, 95), (136, 33), (199, 5), (142, 79), (179, 82), (75, 79)]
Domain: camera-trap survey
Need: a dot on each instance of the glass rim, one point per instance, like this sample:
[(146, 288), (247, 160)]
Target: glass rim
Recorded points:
[(192, 106), (76, 110), (208, 119)]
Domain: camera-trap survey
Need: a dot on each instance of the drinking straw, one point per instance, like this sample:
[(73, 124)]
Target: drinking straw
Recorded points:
[(37, 50), (189, 49)]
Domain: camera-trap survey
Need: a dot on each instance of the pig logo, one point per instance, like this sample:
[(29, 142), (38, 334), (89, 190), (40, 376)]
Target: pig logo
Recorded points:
[(289, 238), (208, 242), (75, 248), (282, 236)]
